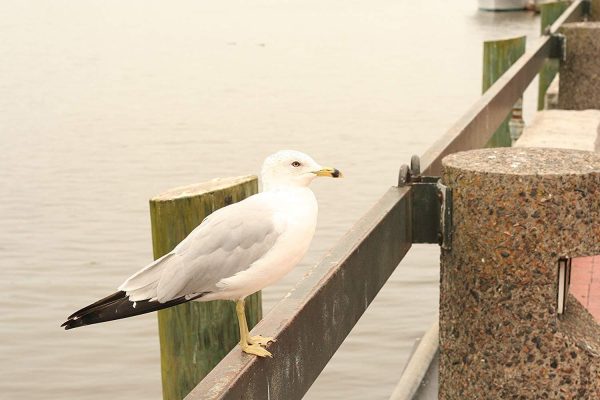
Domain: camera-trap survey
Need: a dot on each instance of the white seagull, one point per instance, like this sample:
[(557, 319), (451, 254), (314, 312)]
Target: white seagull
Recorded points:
[(236, 251)]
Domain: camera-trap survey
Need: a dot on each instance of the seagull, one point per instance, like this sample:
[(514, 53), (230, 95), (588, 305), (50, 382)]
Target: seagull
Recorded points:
[(236, 251)]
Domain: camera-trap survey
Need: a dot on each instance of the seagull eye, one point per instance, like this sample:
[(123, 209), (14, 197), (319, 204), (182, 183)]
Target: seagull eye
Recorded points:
[(296, 164)]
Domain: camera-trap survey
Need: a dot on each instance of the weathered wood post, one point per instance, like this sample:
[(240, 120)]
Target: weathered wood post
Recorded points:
[(194, 337), (517, 212), (498, 56), (549, 13)]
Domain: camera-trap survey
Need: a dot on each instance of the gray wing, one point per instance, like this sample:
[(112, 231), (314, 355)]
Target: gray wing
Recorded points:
[(227, 242)]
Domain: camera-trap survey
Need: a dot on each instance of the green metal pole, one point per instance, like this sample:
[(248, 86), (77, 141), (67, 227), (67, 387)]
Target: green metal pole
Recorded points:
[(549, 13), (498, 56), (194, 336)]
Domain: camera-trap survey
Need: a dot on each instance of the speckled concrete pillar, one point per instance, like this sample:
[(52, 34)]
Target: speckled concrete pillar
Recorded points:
[(595, 10), (516, 212), (579, 85)]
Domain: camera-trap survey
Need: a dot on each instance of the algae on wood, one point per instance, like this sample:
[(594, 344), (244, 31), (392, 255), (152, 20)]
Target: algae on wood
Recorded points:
[(549, 13), (194, 336), (498, 56)]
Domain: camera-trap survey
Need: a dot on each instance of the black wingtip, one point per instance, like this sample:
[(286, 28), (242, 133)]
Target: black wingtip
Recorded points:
[(70, 324), (102, 302), (78, 319), (67, 326), (117, 306), (73, 323)]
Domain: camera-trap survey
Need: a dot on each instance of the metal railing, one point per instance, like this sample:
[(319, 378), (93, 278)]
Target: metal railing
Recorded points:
[(313, 320)]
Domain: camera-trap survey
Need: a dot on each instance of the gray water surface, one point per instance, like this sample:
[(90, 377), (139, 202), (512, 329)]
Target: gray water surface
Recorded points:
[(105, 104)]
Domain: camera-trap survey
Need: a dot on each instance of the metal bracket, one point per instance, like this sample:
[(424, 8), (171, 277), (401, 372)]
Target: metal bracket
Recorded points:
[(431, 205), (559, 49), (446, 216)]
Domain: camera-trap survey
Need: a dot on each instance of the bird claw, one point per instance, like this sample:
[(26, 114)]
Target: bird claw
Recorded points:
[(260, 340), (256, 350)]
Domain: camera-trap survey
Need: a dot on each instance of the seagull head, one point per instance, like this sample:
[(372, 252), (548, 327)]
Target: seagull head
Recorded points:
[(289, 168)]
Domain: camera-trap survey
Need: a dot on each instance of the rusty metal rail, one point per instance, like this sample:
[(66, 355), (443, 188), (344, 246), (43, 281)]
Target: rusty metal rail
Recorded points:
[(312, 321)]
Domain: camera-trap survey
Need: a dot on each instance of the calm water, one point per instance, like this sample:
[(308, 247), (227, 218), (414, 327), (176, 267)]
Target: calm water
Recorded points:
[(105, 104)]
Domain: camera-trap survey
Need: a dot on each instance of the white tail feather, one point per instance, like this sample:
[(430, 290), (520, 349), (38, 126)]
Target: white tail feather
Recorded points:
[(142, 285)]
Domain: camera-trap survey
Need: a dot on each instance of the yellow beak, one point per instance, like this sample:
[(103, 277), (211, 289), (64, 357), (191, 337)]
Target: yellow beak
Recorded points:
[(328, 171)]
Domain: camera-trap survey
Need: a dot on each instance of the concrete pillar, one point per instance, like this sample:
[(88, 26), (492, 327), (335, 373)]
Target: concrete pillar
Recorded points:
[(516, 211), (580, 72), (595, 10)]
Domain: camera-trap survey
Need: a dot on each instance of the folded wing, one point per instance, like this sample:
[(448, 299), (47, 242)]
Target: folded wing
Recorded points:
[(229, 241)]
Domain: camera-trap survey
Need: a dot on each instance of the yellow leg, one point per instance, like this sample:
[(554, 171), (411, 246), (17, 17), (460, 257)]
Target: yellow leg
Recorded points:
[(258, 339), (248, 344)]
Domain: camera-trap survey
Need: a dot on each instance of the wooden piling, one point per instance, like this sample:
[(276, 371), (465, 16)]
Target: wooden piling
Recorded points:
[(194, 336), (549, 13), (498, 56)]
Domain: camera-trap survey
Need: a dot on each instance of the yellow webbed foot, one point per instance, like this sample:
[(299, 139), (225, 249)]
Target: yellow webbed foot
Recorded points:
[(260, 340), (256, 350)]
